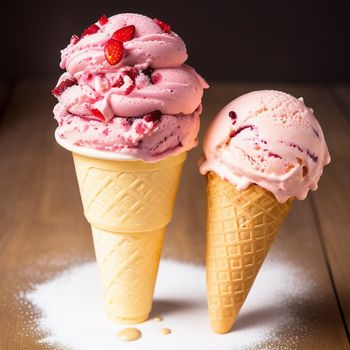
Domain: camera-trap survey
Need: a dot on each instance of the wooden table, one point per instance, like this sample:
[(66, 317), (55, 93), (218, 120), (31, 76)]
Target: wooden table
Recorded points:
[(43, 230)]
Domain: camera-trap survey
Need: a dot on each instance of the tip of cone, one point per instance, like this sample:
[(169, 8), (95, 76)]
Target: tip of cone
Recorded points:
[(222, 326)]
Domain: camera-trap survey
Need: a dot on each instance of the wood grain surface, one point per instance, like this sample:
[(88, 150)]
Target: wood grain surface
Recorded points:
[(331, 201), (43, 230)]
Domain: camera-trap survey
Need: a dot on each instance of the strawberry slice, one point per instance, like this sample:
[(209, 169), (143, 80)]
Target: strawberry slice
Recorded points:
[(94, 28), (124, 34), (58, 90), (114, 51), (74, 39), (103, 20), (163, 25), (98, 114)]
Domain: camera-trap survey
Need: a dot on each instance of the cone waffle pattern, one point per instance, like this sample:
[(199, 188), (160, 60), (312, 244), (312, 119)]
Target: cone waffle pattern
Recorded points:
[(119, 196), (128, 204), (241, 225), (128, 265)]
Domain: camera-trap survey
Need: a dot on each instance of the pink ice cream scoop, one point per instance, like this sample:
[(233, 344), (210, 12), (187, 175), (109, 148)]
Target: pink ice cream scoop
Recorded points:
[(268, 138), (127, 89)]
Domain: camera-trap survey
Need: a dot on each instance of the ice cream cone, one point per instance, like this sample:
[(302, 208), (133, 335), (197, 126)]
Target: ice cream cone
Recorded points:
[(128, 204), (241, 225), (114, 112)]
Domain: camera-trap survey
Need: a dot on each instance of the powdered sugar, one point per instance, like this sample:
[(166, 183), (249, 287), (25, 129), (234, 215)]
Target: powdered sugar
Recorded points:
[(72, 317)]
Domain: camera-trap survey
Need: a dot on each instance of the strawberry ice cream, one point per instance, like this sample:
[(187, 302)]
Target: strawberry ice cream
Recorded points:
[(127, 90), (268, 138)]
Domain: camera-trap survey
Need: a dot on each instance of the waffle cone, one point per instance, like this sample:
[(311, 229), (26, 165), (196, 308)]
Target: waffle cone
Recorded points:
[(128, 204), (241, 226)]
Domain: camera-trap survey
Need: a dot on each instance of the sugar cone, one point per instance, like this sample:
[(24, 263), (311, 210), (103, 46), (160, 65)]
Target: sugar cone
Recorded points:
[(241, 225), (128, 204)]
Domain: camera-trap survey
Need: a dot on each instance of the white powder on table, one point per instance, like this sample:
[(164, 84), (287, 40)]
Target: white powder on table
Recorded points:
[(71, 313)]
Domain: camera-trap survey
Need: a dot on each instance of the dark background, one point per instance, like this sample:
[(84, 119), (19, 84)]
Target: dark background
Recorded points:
[(305, 41)]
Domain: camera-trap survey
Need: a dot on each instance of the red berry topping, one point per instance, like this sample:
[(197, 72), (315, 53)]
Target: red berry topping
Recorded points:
[(74, 39), (97, 114), (90, 30), (129, 89), (58, 90), (119, 82), (240, 129), (274, 155), (140, 129), (103, 20), (153, 116), (312, 156), (163, 25), (101, 74), (124, 34), (155, 78), (114, 51), (233, 116), (132, 73)]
